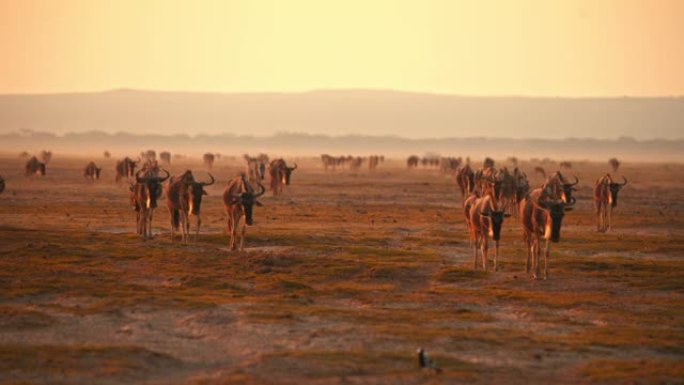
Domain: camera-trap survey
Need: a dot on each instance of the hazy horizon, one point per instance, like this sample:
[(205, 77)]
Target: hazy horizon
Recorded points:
[(345, 112)]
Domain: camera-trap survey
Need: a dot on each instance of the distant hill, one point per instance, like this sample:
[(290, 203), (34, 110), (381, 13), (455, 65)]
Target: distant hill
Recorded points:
[(344, 112)]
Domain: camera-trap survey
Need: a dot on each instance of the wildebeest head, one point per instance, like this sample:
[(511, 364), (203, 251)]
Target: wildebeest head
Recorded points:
[(248, 199), (496, 219), (287, 173), (568, 188), (152, 185), (195, 192), (556, 211), (614, 189)]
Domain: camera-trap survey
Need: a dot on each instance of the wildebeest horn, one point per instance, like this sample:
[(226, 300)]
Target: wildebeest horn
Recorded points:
[(164, 178), (208, 183), (576, 181), (294, 168), (263, 190), (625, 179)]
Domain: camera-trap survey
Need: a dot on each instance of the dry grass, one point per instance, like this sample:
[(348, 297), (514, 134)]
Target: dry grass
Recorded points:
[(344, 276)]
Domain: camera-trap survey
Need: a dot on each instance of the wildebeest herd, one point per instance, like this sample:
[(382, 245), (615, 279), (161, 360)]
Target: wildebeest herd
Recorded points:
[(489, 196)]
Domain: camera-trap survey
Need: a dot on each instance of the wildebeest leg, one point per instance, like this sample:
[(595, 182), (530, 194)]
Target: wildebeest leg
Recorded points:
[(199, 223), (600, 217), (474, 244), (485, 248), (244, 231), (231, 233), (149, 224), (173, 228), (609, 214), (547, 248), (496, 256), (526, 238), (537, 254), (184, 226)]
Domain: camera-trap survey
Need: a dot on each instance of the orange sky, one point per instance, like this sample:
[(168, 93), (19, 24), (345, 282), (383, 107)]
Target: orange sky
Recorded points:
[(485, 47)]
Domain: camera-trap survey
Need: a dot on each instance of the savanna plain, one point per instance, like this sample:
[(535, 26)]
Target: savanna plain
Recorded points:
[(342, 278)]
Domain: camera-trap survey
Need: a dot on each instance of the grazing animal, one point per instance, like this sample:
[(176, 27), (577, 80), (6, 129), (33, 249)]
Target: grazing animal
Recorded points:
[(2, 184), (539, 171), (485, 221), (328, 161), (488, 182), (542, 217), (508, 190), (34, 167), (91, 172), (165, 157), (184, 199), (280, 175), (559, 187), (149, 156), (239, 199), (256, 167), (465, 180), (605, 199), (522, 185), (614, 164), (208, 159), (425, 362), (145, 192), (566, 164), (46, 156), (373, 162), (107, 155), (125, 168), (412, 161)]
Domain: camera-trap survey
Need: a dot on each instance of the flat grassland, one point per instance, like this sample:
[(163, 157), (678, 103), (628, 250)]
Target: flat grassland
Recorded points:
[(342, 278)]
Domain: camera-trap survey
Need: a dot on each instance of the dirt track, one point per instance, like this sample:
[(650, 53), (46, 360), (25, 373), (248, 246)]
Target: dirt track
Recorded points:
[(344, 276)]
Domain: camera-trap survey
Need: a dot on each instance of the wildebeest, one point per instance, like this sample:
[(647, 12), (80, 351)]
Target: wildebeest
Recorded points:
[(485, 221), (149, 156), (184, 199), (280, 175), (144, 196), (107, 155), (125, 168), (91, 172), (540, 171), (605, 199), (522, 185), (614, 164), (412, 161), (208, 159), (256, 167), (239, 199), (465, 180), (507, 192), (2, 184), (165, 157), (46, 156), (34, 167), (560, 187), (541, 216)]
